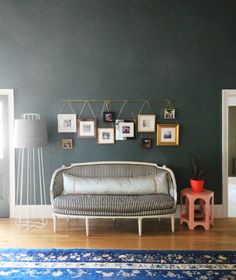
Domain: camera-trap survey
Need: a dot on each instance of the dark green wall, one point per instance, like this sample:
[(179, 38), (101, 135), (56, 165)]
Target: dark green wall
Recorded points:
[(70, 49)]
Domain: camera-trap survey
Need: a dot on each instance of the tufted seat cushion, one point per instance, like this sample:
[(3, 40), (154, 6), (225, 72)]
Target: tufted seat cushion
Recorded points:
[(114, 205)]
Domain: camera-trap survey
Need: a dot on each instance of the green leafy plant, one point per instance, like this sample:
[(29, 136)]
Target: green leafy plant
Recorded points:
[(197, 168)]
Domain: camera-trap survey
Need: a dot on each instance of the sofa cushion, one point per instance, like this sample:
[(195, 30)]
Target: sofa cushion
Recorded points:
[(114, 205), (115, 185)]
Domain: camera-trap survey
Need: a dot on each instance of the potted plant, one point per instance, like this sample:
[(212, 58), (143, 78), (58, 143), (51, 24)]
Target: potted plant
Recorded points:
[(197, 174)]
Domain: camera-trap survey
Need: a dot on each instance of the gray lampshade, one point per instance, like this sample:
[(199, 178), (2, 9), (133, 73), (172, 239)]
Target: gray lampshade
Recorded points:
[(30, 133)]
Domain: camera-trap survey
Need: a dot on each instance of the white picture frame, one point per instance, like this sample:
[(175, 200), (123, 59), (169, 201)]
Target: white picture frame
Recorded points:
[(66, 123), (146, 123), (87, 128), (125, 129), (106, 136)]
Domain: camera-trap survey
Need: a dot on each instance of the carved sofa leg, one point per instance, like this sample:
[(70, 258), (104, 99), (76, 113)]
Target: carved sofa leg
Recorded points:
[(54, 223), (140, 227), (87, 226), (173, 223)]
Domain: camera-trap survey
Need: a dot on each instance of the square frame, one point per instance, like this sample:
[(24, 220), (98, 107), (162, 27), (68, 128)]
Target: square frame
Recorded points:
[(108, 116), (125, 129), (146, 123), (67, 144), (106, 136), (66, 123), (167, 134), (146, 143), (169, 114), (87, 128)]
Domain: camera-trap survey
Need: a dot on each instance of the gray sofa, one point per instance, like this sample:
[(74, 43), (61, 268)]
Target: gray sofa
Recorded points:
[(114, 190)]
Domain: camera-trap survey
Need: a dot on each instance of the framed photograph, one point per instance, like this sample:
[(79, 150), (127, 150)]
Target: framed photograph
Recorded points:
[(125, 129), (167, 134), (67, 144), (146, 143), (169, 114), (108, 116), (146, 123), (87, 128), (106, 136), (66, 123)]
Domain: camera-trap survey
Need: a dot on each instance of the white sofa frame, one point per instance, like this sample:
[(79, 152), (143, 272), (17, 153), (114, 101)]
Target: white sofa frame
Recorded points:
[(139, 218)]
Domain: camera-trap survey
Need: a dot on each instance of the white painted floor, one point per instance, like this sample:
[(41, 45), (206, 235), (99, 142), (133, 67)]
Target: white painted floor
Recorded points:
[(232, 200)]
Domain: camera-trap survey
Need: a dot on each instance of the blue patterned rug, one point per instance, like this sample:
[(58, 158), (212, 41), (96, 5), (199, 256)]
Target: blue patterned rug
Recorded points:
[(116, 264)]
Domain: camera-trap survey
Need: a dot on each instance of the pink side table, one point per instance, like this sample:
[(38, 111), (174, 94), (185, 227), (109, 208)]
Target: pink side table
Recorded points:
[(198, 208)]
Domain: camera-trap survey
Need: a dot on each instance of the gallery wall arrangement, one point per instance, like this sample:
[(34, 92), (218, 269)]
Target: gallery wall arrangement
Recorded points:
[(120, 129), (134, 49)]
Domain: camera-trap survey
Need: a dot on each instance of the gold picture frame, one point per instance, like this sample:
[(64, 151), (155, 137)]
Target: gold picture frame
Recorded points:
[(167, 134), (67, 144), (106, 136)]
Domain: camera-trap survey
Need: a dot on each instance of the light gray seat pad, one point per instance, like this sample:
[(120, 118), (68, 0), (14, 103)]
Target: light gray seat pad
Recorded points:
[(114, 205)]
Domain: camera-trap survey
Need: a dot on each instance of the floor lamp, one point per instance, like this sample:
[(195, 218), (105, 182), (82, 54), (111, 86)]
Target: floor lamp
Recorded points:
[(30, 135)]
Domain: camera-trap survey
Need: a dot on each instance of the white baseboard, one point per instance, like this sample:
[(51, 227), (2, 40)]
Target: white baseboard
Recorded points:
[(218, 211), (45, 211), (33, 211)]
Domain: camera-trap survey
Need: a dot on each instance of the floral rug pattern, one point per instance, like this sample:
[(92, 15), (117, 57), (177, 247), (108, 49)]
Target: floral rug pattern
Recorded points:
[(116, 264)]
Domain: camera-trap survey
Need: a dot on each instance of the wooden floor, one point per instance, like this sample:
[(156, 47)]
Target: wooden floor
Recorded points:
[(121, 234)]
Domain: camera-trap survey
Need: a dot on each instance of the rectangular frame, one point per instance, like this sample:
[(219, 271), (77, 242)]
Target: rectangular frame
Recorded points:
[(146, 143), (87, 128), (66, 123), (169, 114), (67, 144), (106, 136), (108, 116), (167, 134), (146, 123), (125, 129)]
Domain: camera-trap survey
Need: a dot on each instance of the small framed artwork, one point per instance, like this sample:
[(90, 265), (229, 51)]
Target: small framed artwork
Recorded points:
[(118, 134), (106, 136), (67, 144), (146, 123), (146, 143), (108, 116), (169, 114), (167, 135), (87, 128), (66, 123), (125, 129)]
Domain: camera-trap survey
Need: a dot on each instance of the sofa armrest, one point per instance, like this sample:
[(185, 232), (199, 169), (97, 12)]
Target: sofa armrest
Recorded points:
[(56, 186), (172, 185)]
